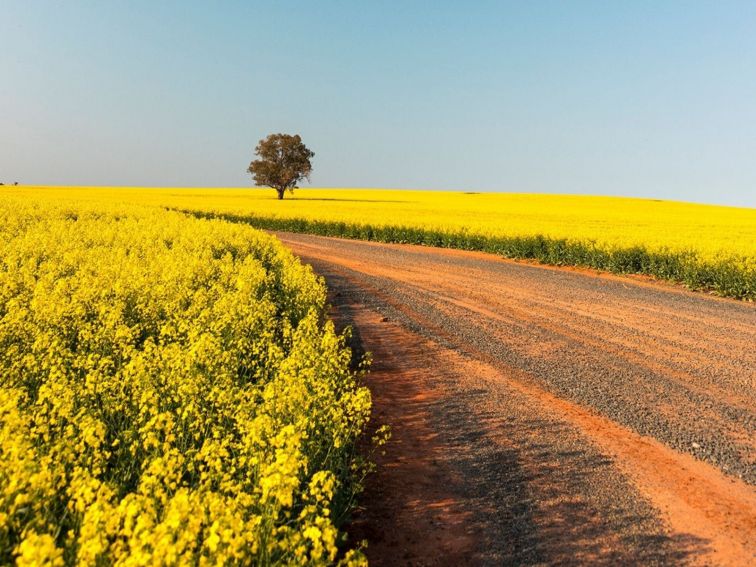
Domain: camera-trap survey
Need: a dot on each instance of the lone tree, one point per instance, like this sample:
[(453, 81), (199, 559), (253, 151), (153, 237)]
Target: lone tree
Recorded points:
[(283, 162)]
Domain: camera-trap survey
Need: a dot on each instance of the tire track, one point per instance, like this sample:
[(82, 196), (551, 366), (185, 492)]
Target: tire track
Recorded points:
[(547, 416)]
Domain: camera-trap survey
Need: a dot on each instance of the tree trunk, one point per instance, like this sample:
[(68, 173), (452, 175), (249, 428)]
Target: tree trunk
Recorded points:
[(280, 193)]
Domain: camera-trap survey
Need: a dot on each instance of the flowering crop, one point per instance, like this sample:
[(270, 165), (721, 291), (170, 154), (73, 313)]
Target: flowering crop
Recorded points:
[(169, 393), (705, 247)]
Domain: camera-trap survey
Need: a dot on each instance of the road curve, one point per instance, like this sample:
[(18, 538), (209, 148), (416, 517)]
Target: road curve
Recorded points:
[(545, 415)]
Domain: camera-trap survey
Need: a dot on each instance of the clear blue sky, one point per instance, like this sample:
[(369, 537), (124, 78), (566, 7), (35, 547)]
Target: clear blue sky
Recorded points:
[(645, 98)]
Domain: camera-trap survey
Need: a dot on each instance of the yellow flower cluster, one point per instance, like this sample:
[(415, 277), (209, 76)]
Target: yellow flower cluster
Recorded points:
[(711, 231), (708, 230), (169, 393), (703, 246)]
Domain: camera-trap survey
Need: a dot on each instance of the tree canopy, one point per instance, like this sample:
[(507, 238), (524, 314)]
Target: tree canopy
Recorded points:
[(283, 161)]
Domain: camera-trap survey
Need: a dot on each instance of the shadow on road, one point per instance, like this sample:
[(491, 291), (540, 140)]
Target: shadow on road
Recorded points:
[(471, 477)]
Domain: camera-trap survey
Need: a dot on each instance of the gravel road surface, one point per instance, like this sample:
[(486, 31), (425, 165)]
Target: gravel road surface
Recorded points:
[(545, 415)]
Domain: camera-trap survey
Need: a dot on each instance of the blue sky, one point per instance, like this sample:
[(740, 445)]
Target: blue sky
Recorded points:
[(642, 98)]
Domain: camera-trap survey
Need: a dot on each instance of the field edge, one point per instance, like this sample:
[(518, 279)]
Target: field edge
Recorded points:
[(685, 268)]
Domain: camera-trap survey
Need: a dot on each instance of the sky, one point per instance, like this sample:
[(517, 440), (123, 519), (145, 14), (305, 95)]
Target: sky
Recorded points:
[(638, 98)]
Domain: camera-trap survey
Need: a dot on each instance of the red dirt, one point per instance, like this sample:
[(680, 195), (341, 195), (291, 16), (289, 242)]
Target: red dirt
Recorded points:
[(544, 416), (416, 511)]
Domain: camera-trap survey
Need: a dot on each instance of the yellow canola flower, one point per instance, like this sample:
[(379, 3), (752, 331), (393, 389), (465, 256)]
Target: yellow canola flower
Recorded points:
[(39, 551), (703, 246), (169, 394)]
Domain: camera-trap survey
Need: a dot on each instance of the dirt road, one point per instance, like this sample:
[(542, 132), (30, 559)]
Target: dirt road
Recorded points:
[(545, 415)]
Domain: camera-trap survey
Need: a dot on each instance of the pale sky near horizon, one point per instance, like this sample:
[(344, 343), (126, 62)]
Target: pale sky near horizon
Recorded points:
[(639, 98)]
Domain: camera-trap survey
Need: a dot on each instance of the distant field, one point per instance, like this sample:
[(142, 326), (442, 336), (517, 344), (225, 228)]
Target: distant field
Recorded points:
[(703, 246)]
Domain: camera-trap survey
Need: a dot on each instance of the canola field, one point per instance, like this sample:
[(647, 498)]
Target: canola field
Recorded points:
[(704, 247), (171, 391)]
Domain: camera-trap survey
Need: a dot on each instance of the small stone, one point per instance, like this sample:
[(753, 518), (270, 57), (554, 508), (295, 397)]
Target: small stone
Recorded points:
[(696, 445)]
